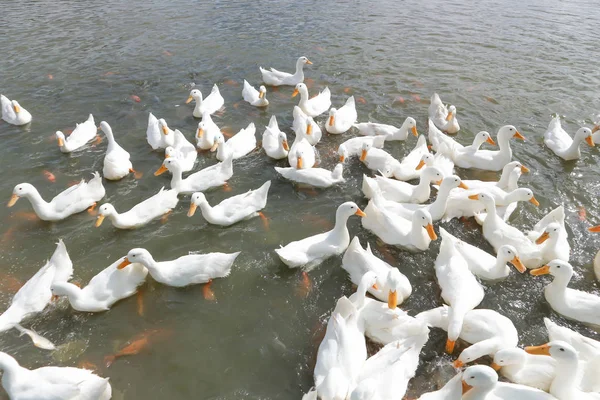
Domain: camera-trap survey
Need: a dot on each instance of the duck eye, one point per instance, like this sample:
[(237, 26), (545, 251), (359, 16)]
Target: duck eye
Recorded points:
[(561, 349), (472, 377)]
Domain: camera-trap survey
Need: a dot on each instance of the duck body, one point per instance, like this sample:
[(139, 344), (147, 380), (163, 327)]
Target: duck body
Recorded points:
[(206, 133), (559, 141), (71, 201), (274, 141), (302, 149), (209, 177), (257, 98), (443, 117), (317, 177), (117, 164), (239, 145), (142, 213), (104, 289), (233, 209), (390, 132), (313, 107), (184, 271), (526, 369), (508, 178), (458, 204), (306, 125), (183, 151), (158, 134), (13, 113), (452, 390), (81, 135), (341, 120), (279, 78), (353, 147), (313, 250), (550, 234), (403, 192), (210, 105)]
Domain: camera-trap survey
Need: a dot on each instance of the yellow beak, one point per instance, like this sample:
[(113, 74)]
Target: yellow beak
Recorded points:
[(99, 220), (13, 200), (449, 116), (458, 364), (17, 109), (342, 158), (192, 210), (331, 119), (421, 165), (524, 169), (61, 142), (545, 270), (308, 62), (165, 130), (285, 145), (466, 387), (594, 229), (519, 136), (123, 264), (496, 366), (261, 95), (414, 131), (431, 232), (544, 236), (543, 350), (474, 197), (463, 186), (161, 170), (200, 133), (360, 213), (309, 129), (363, 155), (214, 146), (299, 163), (534, 202), (516, 261), (491, 141), (295, 93), (189, 99), (589, 140), (392, 299)]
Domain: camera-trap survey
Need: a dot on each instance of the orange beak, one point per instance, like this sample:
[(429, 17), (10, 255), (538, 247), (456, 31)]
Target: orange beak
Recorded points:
[(165, 130), (589, 140), (519, 136), (161, 170), (414, 131), (261, 95), (516, 261), (594, 229), (491, 141), (392, 299), (123, 264), (458, 364), (309, 129), (466, 387), (463, 186), (496, 366), (342, 158), (285, 145), (534, 202), (363, 155), (449, 116), (189, 99), (431, 232), (542, 238), (299, 163), (439, 182), (214, 146), (375, 287), (295, 93), (331, 119), (167, 156), (308, 62), (421, 165), (192, 209), (200, 133), (545, 270), (474, 197), (13, 200), (450, 346), (543, 350), (524, 169), (17, 109), (99, 220), (61, 142), (360, 213)]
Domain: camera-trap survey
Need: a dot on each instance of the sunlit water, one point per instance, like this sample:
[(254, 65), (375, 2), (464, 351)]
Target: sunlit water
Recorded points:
[(498, 62)]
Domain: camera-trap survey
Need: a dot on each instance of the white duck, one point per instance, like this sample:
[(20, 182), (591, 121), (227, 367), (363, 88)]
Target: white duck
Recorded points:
[(211, 104), (379, 160), (257, 98), (507, 182), (239, 145), (525, 369), (460, 289), (571, 303), (279, 78), (485, 265), (156, 206), (498, 233), (158, 134), (551, 235), (390, 132), (233, 209), (313, 250), (71, 201), (206, 132), (393, 287), (559, 141), (487, 330), (51, 383), (116, 161), (415, 233), (302, 155), (399, 191), (596, 229), (440, 161), (185, 270), (341, 120), (275, 141), (183, 151), (315, 106), (213, 176), (455, 150), (317, 177), (81, 135), (13, 113), (444, 118), (452, 390), (353, 147), (104, 289), (480, 382), (596, 133), (564, 386), (306, 125)]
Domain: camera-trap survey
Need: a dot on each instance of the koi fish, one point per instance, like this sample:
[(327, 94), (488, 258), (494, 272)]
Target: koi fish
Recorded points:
[(139, 343), (135, 98), (49, 176), (38, 340)]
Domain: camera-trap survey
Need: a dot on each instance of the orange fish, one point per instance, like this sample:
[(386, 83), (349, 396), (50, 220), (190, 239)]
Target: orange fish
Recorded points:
[(139, 343), (362, 100), (50, 76), (309, 82), (416, 97), (347, 90), (399, 99), (265, 220), (319, 48), (231, 82), (226, 187), (305, 286), (140, 302), (8, 234), (135, 98), (167, 53), (207, 292), (109, 73), (9, 284), (582, 214), (85, 364), (418, 83), (49, 176), (236, 105), (226, 131), (28, 216), (67, 131)]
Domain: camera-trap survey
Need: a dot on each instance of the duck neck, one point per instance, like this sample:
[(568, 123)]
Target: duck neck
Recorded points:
[(71, 291), (199, 99), (573, 150), (299, 74), (176, 179), (565, 381), (40, 206), (417, 234), (438, 207), (477, 142), (560, 282), (504, 179), (361, 295), (207, 210), (490, 208), (504, 145), (513, 180), (110, 138), (303, 95), (501, 266), (481, 392), (423, 188), (340, 229)]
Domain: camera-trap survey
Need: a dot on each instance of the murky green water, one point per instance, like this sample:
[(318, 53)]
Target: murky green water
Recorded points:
[(498, 62)]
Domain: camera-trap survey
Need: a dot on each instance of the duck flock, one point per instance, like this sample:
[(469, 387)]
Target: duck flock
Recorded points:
[(567, 367)]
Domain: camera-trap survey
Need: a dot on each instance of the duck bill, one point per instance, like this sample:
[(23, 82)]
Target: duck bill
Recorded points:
[(524, 169), (192, 209), (375, 287), (124, 263), (491, 141), (516, 261), (431, 232), (261, 95), (463, 186), (458, 364), (363, 155), (392, 299), (474, 197), (299, 163), (496, 367), (466, 387), (13, 199), (17, 109), (449, 116), (189, 99), (421, 165), (414, 131), (543, 237), (543, 350), (309, 62), (285, 145), (165, 130), (545, 270), (519, 136), (295, 93), (438, 182), (534, 202), (214, 147), (589, 140), (99, 220), (200, 133), (61, 142), (360, 213), (331, 120), (594, 229), (161, 170), (450, 346), (309, 129), (342, 158)]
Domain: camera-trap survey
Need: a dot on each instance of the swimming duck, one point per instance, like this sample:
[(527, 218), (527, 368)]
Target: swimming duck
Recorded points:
[(279, 78), (116, 161), (393, 287), (233, 209), (571, 303), (379, 160), (460, 290), (597, 258), (81, 135), (311, 251), (317, 177), (206, 132), (47, 383), (211, 104), (275, 141), (13, 113), (185, 270), (452, 390), (353, 147), (394, 190), (213, 176), (596, 133), (158, 134), (104, 289), (255, 97), (303, 124), (525, 369), (390, 132), (443, 117), (559, 141), (507, 181), (440, 161), (302, 155), (71, 201), (315, 106), (156, 206), (183, 151), (491, 160), (239, 145), (551, 235), (341, 120)]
